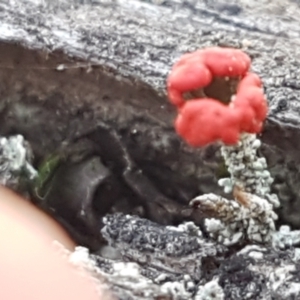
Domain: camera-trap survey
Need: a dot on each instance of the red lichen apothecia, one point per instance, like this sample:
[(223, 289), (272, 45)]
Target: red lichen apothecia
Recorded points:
[(216, 96)]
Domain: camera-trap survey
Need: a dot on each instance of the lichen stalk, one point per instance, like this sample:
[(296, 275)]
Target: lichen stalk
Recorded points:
[(248, 171)]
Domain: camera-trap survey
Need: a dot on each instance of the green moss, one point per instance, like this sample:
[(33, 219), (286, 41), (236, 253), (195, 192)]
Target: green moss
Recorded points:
[(45, 172), (222, 171)]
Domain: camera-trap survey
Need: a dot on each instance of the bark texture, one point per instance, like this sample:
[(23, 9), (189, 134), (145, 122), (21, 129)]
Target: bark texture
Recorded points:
[(66, 65)]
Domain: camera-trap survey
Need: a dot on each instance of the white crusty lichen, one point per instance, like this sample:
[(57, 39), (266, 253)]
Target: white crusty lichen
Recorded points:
[(235, 222), (176, 290), (285, 237), (250, 216), (247, 170), (188, 227), (15, 161), (85, 266), (114, 278), (210, 291)]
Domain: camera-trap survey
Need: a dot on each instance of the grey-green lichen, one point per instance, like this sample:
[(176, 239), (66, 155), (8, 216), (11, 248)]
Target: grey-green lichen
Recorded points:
[(247, 170), (210, 291), (250, 215), (234, 223), (15, 162)]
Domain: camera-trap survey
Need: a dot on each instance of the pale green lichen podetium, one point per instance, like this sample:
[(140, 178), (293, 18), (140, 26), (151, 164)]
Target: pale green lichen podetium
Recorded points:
[(247, 170)]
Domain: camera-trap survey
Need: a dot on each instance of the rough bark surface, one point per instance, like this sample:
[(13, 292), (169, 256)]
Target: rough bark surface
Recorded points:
[(66, 65), (208, 271)]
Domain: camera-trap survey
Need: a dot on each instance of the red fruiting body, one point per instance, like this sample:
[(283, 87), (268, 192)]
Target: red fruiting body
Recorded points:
[(196, 70), (251, 102), (201, 121)]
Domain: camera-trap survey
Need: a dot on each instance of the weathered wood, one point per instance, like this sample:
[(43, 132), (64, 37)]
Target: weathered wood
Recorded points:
[(254, 272), (66, 65)]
